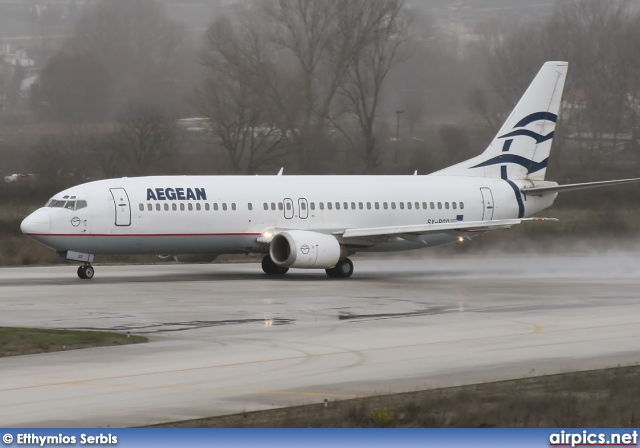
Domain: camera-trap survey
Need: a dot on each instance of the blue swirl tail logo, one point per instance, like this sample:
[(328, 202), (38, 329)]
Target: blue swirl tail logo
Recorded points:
[(530, 165)]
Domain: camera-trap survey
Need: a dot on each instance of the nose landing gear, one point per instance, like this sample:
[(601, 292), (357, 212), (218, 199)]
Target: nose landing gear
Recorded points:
[(86, 271)]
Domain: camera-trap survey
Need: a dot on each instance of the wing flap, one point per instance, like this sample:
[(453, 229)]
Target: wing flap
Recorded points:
[(407, 232)]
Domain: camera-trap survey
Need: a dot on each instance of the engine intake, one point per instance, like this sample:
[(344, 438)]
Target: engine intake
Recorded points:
[(303, 249)]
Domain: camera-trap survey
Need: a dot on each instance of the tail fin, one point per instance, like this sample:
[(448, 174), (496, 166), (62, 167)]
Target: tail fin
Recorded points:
[(521, 148)]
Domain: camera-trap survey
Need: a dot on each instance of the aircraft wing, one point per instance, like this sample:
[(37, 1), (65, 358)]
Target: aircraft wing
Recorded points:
[(558, 188), (410, 232)]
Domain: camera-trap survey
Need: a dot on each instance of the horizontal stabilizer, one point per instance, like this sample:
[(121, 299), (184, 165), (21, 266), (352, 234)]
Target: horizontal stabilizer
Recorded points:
[(423, 229), (569, 187)]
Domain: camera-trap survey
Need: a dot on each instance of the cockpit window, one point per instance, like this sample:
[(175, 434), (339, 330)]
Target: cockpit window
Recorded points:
[(69, 205)]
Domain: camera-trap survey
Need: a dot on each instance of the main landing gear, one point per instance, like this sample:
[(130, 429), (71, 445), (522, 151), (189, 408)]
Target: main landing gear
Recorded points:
[(270, 268), (86, 271), (343, 269)]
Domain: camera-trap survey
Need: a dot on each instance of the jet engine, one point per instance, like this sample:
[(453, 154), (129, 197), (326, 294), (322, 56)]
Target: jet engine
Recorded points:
[(303, 249)]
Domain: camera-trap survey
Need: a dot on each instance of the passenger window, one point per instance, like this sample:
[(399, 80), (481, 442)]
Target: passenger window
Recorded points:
[(190, 206), (273, 206), (174, 207), (424, 205), (181, 207), (353, 206), (361, 206), (446, 205), (409, 205), (81, 204), (303, 206), (265, 206), (224, 206), (141, 207), (377, 204), (313, 206), (328, 205), (462, 206), (385, 205), (206, 207), (198, 207), (233, 206), (346, 205), (439, 205), (158, 207), (215, 206), (250, 206), (402, 206), (393, 206), (321, 205), (280, 206), (454, 205), (417, 205), (150, 207), (337, 206), (433, 206), (288, 205), (368, 205), (166, 207)]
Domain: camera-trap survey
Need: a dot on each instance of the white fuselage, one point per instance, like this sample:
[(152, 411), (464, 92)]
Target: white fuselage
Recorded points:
[(230, 214)]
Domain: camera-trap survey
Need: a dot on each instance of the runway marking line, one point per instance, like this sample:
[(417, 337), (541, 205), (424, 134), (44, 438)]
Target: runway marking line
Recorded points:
[(537, 330), (537, 327)]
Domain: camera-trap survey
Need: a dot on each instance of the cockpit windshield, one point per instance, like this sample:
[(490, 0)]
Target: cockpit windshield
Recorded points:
[(69, 204)]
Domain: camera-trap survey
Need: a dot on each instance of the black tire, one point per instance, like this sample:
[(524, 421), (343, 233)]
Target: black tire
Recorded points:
[(270, 268), (343, 269), (86, 272)]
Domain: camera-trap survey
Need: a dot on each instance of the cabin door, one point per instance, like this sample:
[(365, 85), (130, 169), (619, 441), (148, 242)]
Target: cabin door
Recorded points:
[(487, 200), (122, 206)]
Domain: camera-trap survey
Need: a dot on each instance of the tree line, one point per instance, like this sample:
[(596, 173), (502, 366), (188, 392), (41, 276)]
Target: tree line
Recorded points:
[(294, 82)]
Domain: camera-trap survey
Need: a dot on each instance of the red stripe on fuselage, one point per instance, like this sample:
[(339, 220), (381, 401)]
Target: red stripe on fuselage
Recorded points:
[(142, 234)]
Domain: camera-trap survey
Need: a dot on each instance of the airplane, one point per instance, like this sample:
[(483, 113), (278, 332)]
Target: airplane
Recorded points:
[(317, 222)]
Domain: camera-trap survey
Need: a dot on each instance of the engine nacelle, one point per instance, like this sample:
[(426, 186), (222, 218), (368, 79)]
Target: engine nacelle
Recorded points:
[(303, 249)]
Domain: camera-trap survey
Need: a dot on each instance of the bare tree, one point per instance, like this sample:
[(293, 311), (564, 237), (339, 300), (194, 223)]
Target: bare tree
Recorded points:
[(373, 32), (307, 36), (233, 97), (592, 35), (73, 88), (143, 136), (67, 153), (139, 46)]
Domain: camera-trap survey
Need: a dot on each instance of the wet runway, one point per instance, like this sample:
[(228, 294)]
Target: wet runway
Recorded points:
[(227, 339)]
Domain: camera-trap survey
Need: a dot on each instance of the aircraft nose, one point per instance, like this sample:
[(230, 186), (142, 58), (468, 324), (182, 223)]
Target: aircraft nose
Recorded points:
[(38, 222)]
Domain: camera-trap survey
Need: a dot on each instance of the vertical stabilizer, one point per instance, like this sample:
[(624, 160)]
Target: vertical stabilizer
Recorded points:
[(521, 148)]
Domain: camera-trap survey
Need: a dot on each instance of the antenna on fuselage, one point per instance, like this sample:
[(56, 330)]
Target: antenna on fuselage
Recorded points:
[(280, 172), (415, 173)]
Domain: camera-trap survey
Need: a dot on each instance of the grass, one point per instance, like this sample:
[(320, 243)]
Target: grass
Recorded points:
[(598, 398), (16, 341)]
